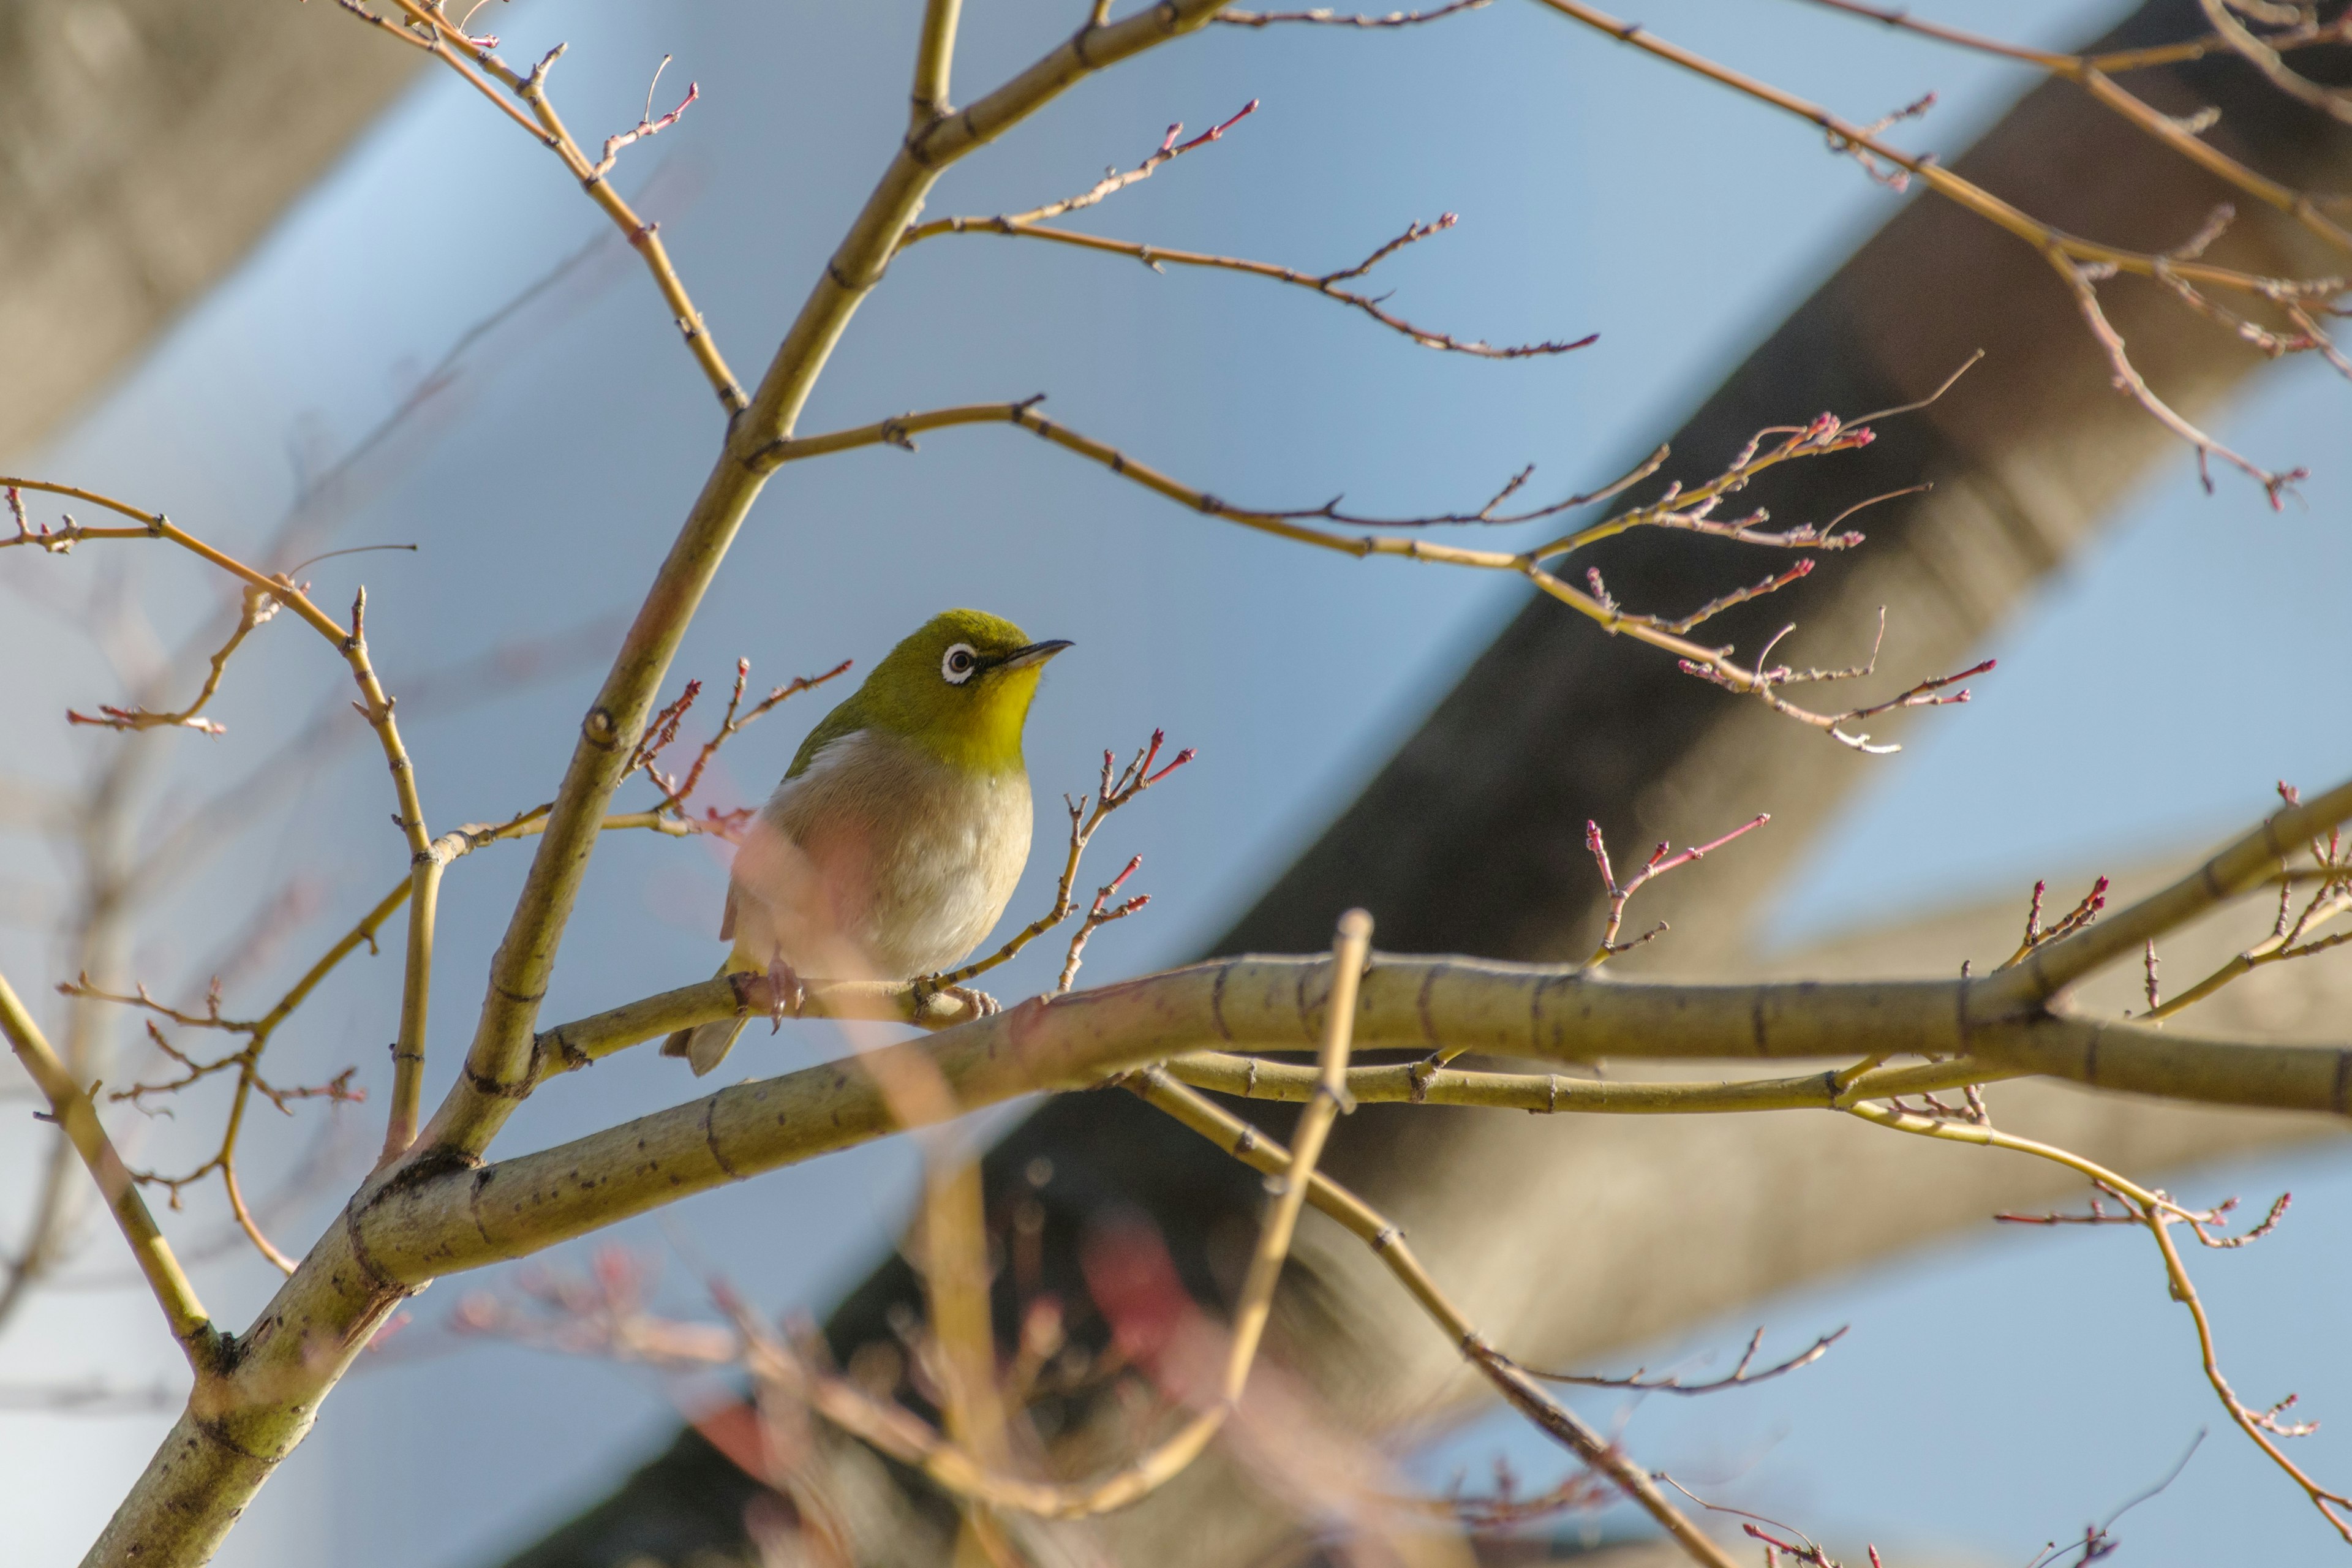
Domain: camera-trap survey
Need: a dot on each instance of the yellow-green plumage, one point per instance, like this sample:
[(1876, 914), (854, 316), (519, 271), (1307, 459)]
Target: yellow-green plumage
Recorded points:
[(896, 839)]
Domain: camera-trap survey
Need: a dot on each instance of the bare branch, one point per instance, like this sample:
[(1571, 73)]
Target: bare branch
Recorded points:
[(1324, 16), (1738, 1377), (2070, 253)]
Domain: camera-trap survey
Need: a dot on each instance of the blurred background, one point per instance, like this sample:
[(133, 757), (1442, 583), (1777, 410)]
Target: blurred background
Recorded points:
[(350, 307)]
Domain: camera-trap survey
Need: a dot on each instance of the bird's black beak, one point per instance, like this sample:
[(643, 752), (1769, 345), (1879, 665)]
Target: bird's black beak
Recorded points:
[(1035, 653)]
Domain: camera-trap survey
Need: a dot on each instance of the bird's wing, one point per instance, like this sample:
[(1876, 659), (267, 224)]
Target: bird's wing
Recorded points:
[(844, 722), (727, 919)]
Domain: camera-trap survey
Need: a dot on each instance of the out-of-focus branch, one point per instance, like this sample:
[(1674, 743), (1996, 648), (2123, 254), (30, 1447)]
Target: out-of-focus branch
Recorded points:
[(1740, 1377), (2081, 281), (2265, 55), (1325, 17), (1387, 1241)]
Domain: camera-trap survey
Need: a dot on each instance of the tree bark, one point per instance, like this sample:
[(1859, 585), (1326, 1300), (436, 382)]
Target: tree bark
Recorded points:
[(1472, 840)]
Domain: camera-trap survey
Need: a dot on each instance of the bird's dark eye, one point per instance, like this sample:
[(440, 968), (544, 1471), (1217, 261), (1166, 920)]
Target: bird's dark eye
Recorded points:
[(959, 664)]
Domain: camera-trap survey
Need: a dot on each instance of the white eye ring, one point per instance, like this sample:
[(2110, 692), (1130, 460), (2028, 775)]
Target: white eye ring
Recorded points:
[(957, 665)]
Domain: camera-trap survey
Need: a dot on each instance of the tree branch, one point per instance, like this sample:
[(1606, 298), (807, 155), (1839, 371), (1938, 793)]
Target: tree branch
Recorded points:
[(934, 58), (2091, 72), (1861, 140), (498, 1057), (2239, 868), (71, 1107), (1387, 1241), (1759, 681)]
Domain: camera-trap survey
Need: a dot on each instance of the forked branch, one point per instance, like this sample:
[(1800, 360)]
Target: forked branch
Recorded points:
[(1034, 225), (1116, 790)]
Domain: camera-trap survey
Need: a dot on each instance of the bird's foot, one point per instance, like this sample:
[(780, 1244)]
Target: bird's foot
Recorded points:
[(980, 1003), (785, 993)]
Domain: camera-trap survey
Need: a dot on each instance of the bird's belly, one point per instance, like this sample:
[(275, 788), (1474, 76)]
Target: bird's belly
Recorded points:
[(897, 866), (941, 887)]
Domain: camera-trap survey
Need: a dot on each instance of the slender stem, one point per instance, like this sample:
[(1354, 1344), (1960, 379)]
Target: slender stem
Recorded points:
[(2158, 1213), (1325, 284), (424, 883), (499, 1059), (1715, 663), (965, 1469), (2091, 72), (1387, 1241), (70, 1105), (1963, 192), (1422, 1083), (934, 58), (2239, 868)]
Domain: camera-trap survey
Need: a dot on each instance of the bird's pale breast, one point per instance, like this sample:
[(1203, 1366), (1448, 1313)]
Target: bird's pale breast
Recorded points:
[(908, 861)]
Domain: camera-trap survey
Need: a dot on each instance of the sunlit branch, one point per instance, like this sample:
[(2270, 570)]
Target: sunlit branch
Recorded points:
[(1740, 1377), (2291, 933), (1659, 863), (1427, 1083), (1116, 790), (1387, 1240), (2073, 250), (1761, 682), (70, 1108), (1323, 16), (258, 607), (2093, 73), (2248, 862), (2081, 281), (934, 60), (2159, 1213), (498, 1057), (428, 30), (1110, 185), (1326, 284)]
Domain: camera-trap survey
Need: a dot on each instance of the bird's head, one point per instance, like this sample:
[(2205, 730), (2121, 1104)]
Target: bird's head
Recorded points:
[(959, 687)]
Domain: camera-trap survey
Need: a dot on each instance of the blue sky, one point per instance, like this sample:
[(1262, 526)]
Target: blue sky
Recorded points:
[(2181, 664)]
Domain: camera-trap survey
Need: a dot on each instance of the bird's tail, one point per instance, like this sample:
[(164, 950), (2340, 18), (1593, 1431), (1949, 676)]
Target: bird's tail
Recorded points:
[(706, 1044)]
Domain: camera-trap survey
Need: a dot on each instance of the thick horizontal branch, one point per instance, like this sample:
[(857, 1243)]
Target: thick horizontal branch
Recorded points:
[(468, 1218), (1426, 1083)]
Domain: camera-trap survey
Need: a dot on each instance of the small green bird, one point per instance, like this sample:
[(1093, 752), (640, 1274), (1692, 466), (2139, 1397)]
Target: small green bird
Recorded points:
[(895, 841)]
